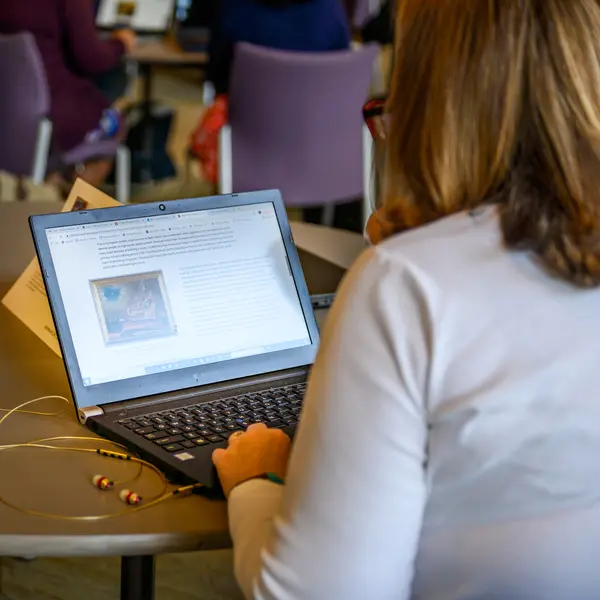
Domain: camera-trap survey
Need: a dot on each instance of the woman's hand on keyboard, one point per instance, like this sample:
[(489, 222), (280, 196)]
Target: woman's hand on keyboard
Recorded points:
[(251, 454)]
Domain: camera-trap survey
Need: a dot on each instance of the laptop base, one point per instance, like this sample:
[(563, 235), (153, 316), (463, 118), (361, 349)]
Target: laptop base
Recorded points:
[(179, 438)]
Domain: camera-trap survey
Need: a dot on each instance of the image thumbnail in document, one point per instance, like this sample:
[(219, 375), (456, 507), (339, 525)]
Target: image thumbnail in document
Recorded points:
[(126, 10), (133, 308)]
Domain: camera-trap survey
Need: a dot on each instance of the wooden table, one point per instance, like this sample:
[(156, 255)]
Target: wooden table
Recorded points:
[(166, 52), (60, 482)]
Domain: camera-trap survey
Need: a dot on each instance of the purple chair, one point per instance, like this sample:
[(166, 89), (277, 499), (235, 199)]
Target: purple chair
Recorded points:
[(296, 125), (25, 129)]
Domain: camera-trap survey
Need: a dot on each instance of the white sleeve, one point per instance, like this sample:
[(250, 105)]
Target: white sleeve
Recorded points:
[(347, 523)]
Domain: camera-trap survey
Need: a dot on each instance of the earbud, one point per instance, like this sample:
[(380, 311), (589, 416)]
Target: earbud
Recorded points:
[(102, 483), (130, 497)]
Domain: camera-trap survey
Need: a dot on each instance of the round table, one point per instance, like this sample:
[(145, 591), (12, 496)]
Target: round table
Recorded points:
[(55, 481), (52, 481)]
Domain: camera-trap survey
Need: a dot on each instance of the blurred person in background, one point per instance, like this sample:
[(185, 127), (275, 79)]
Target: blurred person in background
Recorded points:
[(80, 68), (448, 445), (296, 25)]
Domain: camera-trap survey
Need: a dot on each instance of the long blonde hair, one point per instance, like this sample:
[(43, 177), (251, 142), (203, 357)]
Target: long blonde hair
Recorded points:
[(499, 101)]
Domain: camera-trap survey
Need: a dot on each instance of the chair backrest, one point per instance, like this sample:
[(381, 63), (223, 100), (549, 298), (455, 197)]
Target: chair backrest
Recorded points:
[(24, 101), (296, 122)]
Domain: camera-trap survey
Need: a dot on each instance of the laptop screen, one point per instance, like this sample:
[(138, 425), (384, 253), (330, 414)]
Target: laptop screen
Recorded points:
[(149, 295), (139, 15)]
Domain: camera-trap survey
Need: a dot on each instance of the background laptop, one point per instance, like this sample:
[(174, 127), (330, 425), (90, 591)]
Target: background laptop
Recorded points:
[(180, 322), (143, 16)]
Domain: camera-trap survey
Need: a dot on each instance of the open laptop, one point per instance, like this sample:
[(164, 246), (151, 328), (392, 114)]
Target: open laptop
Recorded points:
[(145, 17), (180, 322)]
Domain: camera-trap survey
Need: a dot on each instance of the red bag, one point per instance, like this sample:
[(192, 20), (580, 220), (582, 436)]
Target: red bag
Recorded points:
[(204, 141)]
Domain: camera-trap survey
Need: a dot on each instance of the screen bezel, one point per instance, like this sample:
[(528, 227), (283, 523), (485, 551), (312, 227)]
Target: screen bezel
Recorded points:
[(170, 381), (138, 30)]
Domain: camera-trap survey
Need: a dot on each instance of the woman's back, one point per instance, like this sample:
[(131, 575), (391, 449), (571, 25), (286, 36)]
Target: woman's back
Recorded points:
[(508, 358), (448, 447)]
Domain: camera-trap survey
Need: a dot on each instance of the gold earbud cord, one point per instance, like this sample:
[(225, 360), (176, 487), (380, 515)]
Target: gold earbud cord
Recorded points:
[(45, 444)]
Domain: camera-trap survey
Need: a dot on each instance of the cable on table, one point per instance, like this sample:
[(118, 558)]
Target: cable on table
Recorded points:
[(46, 444)]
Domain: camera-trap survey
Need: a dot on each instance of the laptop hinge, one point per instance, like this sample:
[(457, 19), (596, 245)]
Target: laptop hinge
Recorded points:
[(228, 387), (83, 414)]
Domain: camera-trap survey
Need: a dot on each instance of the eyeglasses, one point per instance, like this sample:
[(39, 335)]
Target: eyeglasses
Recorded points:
[(374, 117)]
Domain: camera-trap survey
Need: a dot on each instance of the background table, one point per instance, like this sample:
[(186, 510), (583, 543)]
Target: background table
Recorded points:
[(166, 54), (60, 482)]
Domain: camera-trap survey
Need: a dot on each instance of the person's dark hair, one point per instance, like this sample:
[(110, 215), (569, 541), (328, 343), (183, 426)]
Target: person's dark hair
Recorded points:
[(282, 3), (499, 100)]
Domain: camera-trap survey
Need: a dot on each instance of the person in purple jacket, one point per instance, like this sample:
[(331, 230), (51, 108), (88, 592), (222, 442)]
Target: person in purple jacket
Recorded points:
[(74, 56)]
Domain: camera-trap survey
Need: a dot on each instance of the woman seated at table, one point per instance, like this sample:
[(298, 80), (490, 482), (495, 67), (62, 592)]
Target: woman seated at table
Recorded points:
[(73, 55), (298, 25), (448, 447)]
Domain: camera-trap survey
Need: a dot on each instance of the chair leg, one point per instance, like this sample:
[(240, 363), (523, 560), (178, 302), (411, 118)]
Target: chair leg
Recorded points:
[(328, 215), (133, 71), (208, 93), (225, 161), (123, 174), (368, 175), (42, 151)]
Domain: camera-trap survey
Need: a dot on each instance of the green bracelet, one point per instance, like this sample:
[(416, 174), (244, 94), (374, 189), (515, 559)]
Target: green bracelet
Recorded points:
[(266, 476), (273, 478)]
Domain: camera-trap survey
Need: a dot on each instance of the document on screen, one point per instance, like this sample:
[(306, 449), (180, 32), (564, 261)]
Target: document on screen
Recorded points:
[(27, 298), (151, 294)]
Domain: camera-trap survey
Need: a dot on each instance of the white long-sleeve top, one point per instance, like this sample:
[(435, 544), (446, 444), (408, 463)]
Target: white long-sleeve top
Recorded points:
[(449, 446)]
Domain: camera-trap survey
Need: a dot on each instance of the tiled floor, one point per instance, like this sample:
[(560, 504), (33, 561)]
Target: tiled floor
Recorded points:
[(195, 576)]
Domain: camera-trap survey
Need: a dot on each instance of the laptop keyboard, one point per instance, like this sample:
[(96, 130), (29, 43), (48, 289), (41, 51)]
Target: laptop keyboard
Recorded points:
[(212, 422)]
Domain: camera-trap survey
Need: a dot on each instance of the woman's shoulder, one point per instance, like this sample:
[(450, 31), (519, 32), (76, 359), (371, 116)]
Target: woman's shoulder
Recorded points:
[(439, 258), (453, 238)]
